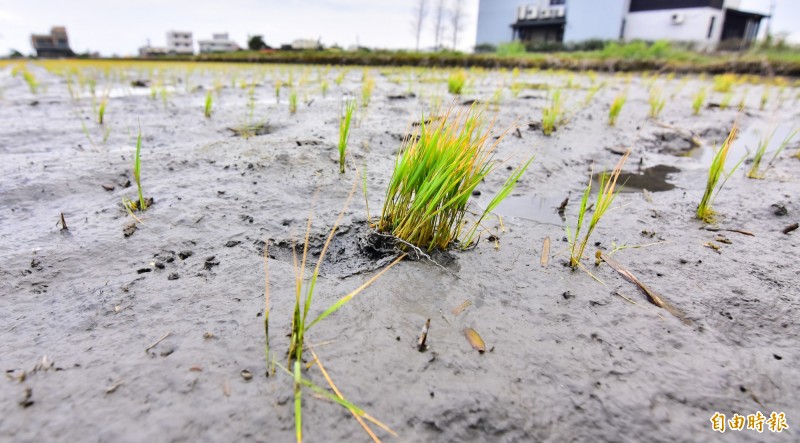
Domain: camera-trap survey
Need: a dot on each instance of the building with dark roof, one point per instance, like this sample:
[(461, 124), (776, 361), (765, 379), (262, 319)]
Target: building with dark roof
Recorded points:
[(53, 45), (705, 24)]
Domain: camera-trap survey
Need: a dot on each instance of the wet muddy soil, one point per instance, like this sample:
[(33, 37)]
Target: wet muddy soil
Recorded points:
[(155, 332)]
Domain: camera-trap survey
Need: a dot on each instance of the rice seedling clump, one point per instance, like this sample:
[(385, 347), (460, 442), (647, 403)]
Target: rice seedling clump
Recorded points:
[(717, 169), (456, 81), (616, 107), (435, 173)]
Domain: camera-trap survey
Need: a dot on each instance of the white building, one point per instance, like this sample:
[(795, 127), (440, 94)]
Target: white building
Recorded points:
[(218, 43), (306, 43), (702, 23), (180, 42)]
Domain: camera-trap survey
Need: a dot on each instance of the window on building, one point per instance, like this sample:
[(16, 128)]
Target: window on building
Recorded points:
[(711, 27), (557, 2)]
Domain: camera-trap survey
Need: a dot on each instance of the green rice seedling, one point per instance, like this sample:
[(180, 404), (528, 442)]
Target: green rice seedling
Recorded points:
[(345, 117), (207, 107), (657, 102), (616, 107), (164, 92), (496, 97), (551, 113), (726, 100), (340, 77), (764, 98), (570, 82), (724, 82), (292, 101), (137, 175), (86, 132), (30, 79), (456, 81), (435, 172), (367, 86), (781, 96), (278, 86), (717, 169), (679, 87), (302, 324), (605, 197), (324, 88), (591, 93), (101, 111), (71, 89), (698, 100), (106, 133), (251, 101), (763, 143), (742, 100)]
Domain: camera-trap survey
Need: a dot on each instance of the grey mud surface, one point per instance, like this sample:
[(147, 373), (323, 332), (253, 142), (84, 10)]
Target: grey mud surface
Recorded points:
[(568, 358)]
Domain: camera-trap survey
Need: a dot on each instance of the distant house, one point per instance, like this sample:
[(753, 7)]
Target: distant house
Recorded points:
[(706, 24), (180, 43), (53, 45), (306, 44), (218, 43), (152, 51)]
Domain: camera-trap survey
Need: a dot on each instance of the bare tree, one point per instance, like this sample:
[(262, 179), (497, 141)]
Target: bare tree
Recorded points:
[(419, 18), (457, 20), (438, 24)]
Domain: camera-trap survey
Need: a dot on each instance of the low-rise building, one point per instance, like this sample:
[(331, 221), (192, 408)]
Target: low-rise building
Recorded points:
[(180, 43), (705, 24), (306, 44), (152, 51), (218, 43), (53, 45)]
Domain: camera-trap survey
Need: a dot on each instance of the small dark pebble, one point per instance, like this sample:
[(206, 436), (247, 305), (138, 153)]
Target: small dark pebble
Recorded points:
[(210, 263), (476, 192), (173, 276), (26, 398), (108, 187), (779, 210), (129, 229), (183, 255), (777, 357), (567, 295), (790, 228), (232, 243), (143, 270), (159, 265)]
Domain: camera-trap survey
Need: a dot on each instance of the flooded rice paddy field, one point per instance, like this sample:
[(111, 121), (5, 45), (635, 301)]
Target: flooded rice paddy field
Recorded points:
[(116, 333)]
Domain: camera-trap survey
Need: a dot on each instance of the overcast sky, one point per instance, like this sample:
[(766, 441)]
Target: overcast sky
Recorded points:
[(121, 27)]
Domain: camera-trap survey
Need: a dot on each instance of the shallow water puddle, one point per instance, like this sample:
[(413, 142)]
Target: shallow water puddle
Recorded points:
[(746, 144), (125, 91), (654, 179), (530, 207)]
